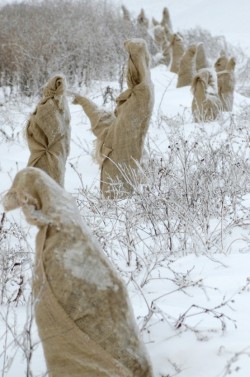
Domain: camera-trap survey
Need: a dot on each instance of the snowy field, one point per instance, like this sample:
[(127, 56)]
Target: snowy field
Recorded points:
[(193, 308)]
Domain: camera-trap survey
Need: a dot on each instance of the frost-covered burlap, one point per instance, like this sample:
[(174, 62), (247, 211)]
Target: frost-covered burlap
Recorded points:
[(226, 85), (48, 131), (120, 135), (206, 104), (82, 310), (187, 69)]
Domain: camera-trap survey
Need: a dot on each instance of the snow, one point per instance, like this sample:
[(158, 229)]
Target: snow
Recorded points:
[(82, 265), (198, 312)]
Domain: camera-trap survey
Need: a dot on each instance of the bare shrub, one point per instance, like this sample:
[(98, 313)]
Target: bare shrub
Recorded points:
[(15, 263), (83, 40)]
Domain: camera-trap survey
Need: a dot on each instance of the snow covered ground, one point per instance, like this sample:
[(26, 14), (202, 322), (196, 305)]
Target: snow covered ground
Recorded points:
[(194, 313)]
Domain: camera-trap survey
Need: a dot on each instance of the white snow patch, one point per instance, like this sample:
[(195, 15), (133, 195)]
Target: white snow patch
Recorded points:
[(82, 265)]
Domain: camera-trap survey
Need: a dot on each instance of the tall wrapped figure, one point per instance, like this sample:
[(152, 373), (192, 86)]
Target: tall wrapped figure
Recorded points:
[(187, 69), (178, 49), (226, 85), (206, 104), (201, 57), (120, 135), (48, 130), (84, 317)]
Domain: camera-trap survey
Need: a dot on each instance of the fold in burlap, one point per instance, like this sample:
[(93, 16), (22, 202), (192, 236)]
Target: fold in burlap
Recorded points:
[(82, 310), (226, 85), (120, 136), (206, 104), (187, 69), (48, 131)]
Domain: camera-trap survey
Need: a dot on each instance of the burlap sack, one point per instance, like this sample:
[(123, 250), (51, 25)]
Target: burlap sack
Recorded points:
[(201, 57), (187, 69), (161, 36), (142, 20), (82, 309), (155, 22), (48, 130), (221, 63), (206, 104), (226, 85), (121, 135), (125, 13), (178, 50), (166, 20)]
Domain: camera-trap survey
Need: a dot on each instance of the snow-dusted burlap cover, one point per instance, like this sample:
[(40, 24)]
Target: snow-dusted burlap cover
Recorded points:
[(120, 135), (166, 19), (82, 310), (201, 57), (178, 49), (206, 104), (48, 130), (187, 69), (226, 85)]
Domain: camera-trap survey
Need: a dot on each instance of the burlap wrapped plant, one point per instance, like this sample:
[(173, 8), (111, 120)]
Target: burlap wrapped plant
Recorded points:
[(161, 37), (187, 69), (142, 20), (166, 20), (155, 22), (201, 57), (48, 130), (226, 85), (178, 49), (206, 104), (120, 135), (82, 310), (126, 13)]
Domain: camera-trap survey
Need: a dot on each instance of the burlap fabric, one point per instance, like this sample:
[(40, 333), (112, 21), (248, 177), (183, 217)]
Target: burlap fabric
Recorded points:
[(226, 85), (48, 131), (159, 35), (121, 135), (221, 63), (201, 57), (142, 20), (82, 310), (178, 49), (161, 38), (206, 104), (187, 69), (155, 22), (126, 13), (166, 20)]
